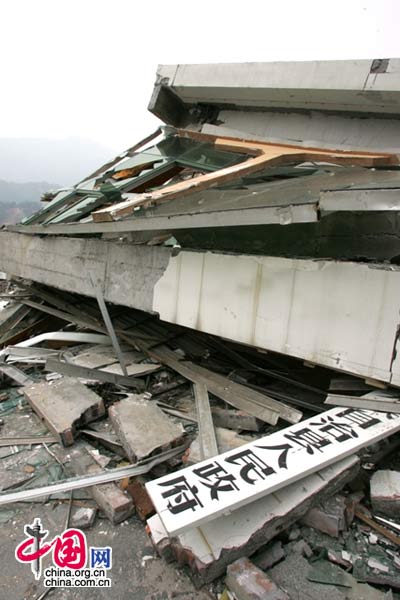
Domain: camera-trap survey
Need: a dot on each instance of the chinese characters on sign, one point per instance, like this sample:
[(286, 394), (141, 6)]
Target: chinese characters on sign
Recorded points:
[(237, 477)]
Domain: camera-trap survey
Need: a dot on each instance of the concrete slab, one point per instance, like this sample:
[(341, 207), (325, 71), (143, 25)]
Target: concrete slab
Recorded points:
[(128, 273), (64, 405), (357, 86), (142, 427)]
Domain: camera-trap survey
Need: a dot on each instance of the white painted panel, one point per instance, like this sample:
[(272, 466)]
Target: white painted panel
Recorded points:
[(206, 490), (340, 314), (231, 291), (168, 290), (190, 283)]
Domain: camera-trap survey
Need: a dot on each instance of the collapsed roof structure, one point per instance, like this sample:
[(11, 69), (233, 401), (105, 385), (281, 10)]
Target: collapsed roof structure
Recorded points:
[(265, 212), (260, 220)]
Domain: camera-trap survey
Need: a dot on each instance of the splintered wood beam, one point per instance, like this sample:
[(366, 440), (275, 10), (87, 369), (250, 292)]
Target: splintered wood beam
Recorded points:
[(262, 155), (207, 439)]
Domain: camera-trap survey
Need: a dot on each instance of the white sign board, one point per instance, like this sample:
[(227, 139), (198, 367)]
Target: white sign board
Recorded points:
[(201, 492)]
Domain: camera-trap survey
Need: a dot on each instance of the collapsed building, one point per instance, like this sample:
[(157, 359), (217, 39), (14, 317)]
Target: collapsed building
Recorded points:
[(264, 213)]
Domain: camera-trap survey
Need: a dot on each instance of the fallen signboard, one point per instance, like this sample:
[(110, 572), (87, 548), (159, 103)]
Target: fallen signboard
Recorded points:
[(217, 486)]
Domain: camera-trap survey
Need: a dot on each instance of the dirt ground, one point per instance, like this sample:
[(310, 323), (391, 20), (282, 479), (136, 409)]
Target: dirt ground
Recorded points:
[(137, 573)]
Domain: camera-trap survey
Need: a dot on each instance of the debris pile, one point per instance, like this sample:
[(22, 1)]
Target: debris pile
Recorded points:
[(224, 452), (204, 333)]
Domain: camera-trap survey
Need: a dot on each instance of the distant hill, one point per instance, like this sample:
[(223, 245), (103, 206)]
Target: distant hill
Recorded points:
[(19, 200), (11, 191), (39, 159)]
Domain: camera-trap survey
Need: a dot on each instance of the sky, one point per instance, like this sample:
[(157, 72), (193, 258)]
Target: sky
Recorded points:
[(86, 68)]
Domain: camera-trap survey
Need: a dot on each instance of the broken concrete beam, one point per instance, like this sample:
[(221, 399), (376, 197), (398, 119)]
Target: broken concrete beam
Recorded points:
[(114, 502), (226, 440), (209, 549), (142, 427), (234, 419), (68, 262), (64, 405), (328, 517), (141, 499), (248, 582), (385, 493)]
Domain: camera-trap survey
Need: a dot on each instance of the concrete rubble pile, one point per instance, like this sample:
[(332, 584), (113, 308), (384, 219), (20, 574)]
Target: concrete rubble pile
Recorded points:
[(204, 332)]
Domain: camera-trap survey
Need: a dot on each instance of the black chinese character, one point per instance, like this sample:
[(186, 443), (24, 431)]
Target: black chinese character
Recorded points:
[(308, 439), (252, 464), (185, 495), (219, 480), (341, 432), (362, 418), (282, 460)]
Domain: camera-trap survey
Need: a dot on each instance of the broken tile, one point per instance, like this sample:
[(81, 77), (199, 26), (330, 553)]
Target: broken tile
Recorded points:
[(235, 419)]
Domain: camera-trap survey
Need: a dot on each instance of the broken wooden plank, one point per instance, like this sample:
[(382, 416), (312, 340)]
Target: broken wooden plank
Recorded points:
[(209, 549), (386, 401), (65, 368), (135, 370), (93, 360), (64, 405), (15, 374), (259, 155), (27, 355), (143, 428), (234, 419), (28, 441), (207, 439), (265, 465), (233, 393), (108, 323), (362, 514), (229, 391)]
